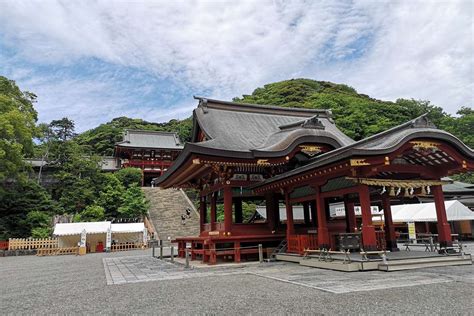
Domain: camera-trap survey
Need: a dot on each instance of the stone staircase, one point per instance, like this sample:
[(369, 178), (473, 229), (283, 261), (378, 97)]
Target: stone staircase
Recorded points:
[(166, 208)]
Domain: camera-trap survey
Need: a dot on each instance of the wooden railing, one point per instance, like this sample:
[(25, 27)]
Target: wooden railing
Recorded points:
[(58, 251), (3, 244), (30, 243), (127, 246), (298, 243)]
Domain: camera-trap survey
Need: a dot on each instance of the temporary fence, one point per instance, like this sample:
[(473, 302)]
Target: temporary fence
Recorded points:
[(58, 251), (32, 243), (127, 246)]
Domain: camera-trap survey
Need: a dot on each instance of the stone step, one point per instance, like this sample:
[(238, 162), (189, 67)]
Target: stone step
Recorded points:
[(417, 263), (166, 209)]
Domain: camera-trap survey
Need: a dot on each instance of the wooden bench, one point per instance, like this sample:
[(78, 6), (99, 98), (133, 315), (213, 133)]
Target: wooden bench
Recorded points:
[(428, 247)]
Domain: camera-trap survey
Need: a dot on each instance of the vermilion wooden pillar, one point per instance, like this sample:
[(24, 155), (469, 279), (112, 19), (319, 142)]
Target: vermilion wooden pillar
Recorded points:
[(202, 212), (306, 213), (323, 233), (227, 209), (213, 211), (270, 205), (369, 240), (290, 227), (444, 231), (390, 238), (238, 210), (351, 223)]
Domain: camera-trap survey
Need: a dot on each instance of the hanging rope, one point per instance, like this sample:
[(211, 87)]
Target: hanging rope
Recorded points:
[(406, 184)]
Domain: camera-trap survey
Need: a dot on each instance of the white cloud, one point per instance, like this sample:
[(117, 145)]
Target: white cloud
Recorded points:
[(413, 49), (419, 51)]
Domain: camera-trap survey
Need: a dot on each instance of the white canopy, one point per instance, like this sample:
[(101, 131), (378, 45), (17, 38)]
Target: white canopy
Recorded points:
[(426, 212), (128, 228), (64, 229)]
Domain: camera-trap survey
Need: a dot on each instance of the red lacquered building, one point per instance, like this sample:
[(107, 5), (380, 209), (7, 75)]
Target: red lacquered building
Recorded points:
[(274, 155), (153, 152)]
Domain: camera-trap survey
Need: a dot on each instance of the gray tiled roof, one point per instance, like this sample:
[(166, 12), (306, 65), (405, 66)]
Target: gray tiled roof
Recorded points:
[(246, 128), (381, 143), (458, 187), (249, 131), (150, 139)]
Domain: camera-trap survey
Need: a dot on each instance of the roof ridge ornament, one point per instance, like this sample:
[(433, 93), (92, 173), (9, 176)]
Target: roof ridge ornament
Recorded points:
[(312, 122), (203, 104), (423, 121)]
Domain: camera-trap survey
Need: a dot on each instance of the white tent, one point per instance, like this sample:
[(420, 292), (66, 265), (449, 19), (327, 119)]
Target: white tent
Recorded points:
[(128, 232), (66, 229), (426, 212), (69, 234)]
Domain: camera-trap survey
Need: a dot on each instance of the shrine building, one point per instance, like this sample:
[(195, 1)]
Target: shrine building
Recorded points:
[(292, 156), (151, 151)]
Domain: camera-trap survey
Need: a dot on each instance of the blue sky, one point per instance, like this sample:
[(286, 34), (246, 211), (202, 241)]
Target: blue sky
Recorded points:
[(94, 60)]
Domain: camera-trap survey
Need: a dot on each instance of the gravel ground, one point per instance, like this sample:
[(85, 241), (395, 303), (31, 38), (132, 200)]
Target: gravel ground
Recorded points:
[(70, 284)]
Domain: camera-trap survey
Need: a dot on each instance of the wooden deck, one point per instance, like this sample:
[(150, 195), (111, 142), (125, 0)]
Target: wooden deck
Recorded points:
[(394, 261)]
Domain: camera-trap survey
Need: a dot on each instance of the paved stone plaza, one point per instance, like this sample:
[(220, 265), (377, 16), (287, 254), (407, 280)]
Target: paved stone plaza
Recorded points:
[(134, 282)]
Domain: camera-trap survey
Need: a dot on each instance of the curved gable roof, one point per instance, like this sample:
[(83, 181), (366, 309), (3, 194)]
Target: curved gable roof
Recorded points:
[(252, 131), (379, 144), (247, 127)]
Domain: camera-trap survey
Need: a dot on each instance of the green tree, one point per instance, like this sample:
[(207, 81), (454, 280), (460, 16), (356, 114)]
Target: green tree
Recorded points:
[(111, 195), (462, 126), (40, 223), (41, 232), (134, 203), (38, 219), (63, 129), (79, 177), (92, 213), (129, 176), (17, 127), (18, 203)]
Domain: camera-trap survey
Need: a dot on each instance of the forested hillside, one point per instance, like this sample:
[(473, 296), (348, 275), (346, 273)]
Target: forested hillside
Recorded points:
[(356, 114)]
